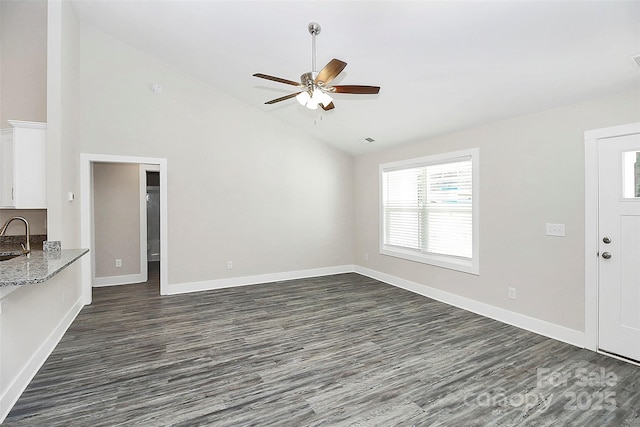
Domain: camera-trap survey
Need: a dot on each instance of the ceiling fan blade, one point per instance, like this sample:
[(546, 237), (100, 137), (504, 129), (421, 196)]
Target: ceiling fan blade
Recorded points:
[(356, 89), (330, 72), (328, 107), (277, 79), (283, 98)]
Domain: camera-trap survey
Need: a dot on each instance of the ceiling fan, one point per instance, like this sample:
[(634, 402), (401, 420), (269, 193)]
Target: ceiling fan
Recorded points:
[(316, 88)]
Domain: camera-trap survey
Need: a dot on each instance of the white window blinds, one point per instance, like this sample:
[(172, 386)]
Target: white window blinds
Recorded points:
[(428, 208), (402, 216)]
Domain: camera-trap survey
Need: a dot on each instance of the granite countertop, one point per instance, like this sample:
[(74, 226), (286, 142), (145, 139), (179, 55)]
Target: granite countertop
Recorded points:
[(6, 250), (38, 267)]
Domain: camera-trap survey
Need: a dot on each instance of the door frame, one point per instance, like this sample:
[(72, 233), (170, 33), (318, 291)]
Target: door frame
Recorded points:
[(86, 214), (591, 235)]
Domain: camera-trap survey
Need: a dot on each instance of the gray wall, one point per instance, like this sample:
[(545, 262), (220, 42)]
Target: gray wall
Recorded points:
[(116, 212), (242, 186), (23, 80), (23, 61), (37, 221), (273, 200), (531, 173)]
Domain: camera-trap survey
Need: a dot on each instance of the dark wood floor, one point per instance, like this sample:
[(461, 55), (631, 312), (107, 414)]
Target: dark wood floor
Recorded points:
[(332, 351)]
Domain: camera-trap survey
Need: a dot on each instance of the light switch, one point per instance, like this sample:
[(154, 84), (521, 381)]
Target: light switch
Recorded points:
[(555, 230)]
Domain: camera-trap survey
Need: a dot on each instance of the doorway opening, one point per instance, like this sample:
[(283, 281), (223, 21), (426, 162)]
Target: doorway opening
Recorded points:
[(88, 217), (152, 199)]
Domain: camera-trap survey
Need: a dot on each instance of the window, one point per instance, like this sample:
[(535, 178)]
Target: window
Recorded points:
[(429, 210), (631, 171)]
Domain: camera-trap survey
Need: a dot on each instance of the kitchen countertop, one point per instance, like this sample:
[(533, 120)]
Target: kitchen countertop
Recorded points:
[(38, 267), (11, 250)]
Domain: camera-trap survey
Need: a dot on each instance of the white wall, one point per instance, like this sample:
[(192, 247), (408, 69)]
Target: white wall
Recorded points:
[(531, 173), (63, 144), (33, 320), (242, 186)]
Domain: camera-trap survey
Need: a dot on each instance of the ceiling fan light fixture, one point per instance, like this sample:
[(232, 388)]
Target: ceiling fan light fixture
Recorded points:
[(324, 98), (319, 97), (303, 97), (312, 105)]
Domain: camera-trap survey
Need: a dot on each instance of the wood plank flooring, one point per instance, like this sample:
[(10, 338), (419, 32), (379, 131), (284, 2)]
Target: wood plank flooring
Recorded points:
[(341, 350)]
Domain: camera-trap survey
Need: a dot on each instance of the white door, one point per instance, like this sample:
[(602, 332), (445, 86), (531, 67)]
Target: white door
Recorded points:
[(619, 246)]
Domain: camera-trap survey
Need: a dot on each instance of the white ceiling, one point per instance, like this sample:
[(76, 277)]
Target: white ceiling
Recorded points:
[(441, 65)]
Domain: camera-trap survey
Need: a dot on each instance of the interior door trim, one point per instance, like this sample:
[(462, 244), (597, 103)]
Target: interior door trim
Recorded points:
[(591, 140), (86, 215)]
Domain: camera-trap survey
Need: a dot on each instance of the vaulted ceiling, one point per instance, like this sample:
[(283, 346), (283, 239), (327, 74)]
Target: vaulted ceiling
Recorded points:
[(442, 65)]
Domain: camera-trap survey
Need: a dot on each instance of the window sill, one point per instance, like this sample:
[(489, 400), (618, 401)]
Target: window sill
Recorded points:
[(464, 265)]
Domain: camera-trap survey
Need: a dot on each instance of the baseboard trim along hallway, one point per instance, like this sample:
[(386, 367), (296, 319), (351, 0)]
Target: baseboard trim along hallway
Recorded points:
[(209, 285), (119, 280)]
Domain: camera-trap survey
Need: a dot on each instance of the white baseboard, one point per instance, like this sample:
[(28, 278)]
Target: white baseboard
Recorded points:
[(208, 285), (126, 279), (15, 389), (541, 327)]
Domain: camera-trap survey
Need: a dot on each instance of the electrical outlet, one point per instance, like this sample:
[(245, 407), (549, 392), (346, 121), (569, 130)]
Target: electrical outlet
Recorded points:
[(229, 265), (555, 230), (366, 257), (63, 296), (512, 293), (118, 263), (4, 305)]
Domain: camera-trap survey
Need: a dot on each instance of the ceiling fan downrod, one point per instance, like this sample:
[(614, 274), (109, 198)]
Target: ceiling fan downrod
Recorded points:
[(314, 30)]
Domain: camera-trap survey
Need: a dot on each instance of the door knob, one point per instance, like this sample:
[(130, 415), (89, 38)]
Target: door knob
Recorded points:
[(606, 255), (606, 240)]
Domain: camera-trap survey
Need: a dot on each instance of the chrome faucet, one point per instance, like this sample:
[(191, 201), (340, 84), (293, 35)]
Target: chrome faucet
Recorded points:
[(3, 229)]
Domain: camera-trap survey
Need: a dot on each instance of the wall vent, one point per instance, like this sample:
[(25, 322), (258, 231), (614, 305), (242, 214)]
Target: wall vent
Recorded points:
[(636, 59)]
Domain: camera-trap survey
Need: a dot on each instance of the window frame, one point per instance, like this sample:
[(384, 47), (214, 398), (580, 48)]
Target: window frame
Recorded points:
[(466, 265)]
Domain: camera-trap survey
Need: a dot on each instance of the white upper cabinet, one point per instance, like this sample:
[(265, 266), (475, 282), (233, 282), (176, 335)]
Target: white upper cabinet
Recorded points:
[(23, 165)]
